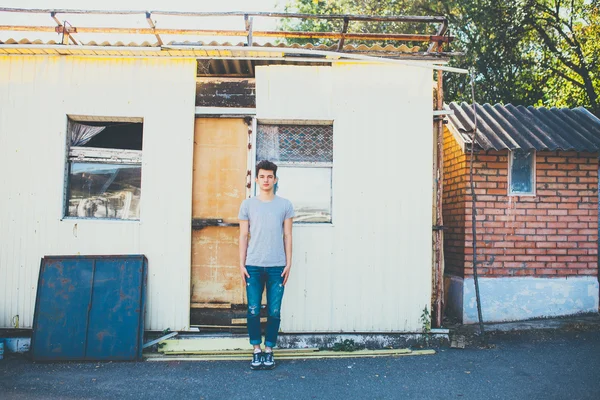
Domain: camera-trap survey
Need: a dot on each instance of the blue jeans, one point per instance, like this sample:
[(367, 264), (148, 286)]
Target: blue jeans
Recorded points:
[(255, 284)]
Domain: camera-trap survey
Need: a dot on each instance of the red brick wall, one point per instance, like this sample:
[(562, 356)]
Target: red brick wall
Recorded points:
[(553, 233), (453, 205)]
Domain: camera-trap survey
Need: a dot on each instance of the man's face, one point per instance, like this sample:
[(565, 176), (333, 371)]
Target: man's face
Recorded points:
[(265, 180)]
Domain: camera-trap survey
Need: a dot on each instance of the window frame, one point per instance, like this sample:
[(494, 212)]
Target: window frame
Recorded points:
[(296, 164), (533, 173), (97, 155)]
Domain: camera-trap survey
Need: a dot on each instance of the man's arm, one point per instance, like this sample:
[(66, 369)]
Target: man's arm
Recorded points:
[(287, 241), (243, 248)]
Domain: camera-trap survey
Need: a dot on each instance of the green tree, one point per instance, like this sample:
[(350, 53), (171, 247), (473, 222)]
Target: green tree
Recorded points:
[(541, 52), (568, 49)]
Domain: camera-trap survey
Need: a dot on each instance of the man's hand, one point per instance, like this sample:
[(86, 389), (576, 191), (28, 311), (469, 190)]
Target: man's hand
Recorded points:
[(286, 273), (244, 273)]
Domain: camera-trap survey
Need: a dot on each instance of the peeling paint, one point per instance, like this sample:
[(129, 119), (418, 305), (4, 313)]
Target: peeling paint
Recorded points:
[(514, 299)]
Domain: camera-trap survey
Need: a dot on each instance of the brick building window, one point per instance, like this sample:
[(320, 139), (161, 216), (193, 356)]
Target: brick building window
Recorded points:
[(104, 168), (304, 156), (521, 172)]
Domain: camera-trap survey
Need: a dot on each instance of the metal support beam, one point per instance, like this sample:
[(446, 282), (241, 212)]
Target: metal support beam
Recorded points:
[(248, 21), (151, 23), (344, 30), (441, 32), (353, 17), (275, 34), (66, 34)]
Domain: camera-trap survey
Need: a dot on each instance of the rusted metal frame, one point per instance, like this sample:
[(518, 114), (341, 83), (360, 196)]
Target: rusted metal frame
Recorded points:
[(354, 17), (160, 339), (250, 154), (439, 233), (248, 22), (151, 23), (66, 34), (441, 32), (344, 30), (200, 32), (251, 173), (77, 153)]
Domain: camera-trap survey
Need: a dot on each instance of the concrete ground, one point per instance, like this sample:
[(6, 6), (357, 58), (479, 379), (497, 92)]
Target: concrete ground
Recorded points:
[(540, 362)]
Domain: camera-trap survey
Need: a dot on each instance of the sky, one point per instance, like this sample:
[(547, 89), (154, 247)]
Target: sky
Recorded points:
[(225, 23)]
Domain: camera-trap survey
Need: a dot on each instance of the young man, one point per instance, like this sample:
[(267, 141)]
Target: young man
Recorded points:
[(267, 260)]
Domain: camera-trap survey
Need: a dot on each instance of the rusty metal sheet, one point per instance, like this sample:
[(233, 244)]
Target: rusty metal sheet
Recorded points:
[(90, 308)]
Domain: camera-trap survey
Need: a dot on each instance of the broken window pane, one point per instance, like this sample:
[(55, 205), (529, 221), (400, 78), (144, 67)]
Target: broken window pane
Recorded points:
[(309, 190), (521, 172), (98, 190), (104, 167)]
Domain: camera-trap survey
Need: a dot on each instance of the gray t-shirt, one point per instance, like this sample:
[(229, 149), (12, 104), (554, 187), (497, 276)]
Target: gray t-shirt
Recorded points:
[(266, 248)]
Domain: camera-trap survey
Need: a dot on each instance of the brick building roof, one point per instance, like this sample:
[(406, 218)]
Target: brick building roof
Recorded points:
[(518, 127)]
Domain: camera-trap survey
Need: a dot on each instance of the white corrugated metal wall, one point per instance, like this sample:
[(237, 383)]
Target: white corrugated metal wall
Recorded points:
[(36, 94), (369, 271)]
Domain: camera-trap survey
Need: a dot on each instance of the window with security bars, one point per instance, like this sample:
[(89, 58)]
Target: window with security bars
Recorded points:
[(304, 156)]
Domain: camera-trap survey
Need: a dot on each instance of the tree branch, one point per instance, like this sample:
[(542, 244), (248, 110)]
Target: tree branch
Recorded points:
[(568, 78)]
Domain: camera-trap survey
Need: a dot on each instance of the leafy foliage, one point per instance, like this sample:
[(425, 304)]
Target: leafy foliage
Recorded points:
[(530, 52), (347, 345)]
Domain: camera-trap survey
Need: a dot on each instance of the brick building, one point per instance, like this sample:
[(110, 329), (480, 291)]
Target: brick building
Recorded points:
[(535, 175)]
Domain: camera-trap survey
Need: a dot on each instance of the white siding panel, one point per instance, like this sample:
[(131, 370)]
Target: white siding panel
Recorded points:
[(370, 271), (36, 95)]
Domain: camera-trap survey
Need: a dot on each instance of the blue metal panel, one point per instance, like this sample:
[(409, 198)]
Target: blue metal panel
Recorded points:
[(63, 296), (90, 308), (114, 323)]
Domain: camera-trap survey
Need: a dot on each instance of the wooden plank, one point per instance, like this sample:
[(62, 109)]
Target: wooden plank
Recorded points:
[(222, 111), (206, 344), (311, 352), (243, 321), (308, 350), (211, 305), (219, 187), (151, 24), (220, 152), (215, 270)]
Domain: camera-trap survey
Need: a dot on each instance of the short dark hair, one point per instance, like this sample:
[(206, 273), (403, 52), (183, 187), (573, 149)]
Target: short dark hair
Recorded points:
[(267, 166)]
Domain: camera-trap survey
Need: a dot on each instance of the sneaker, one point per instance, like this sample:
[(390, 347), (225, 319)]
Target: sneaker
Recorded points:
[(257, 361), (268, 360)]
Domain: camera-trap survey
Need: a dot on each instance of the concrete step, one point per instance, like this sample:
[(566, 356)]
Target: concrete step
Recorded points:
[(289, 355)]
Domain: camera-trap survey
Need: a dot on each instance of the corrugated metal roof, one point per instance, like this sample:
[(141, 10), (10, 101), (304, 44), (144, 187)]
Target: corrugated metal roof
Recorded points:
[(347, 48), (518, 127)]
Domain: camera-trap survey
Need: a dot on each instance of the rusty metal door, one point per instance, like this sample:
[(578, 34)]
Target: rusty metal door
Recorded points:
[(219, 187)]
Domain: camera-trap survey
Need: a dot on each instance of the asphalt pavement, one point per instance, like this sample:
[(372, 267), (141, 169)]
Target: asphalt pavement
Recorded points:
[(547, 364)]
